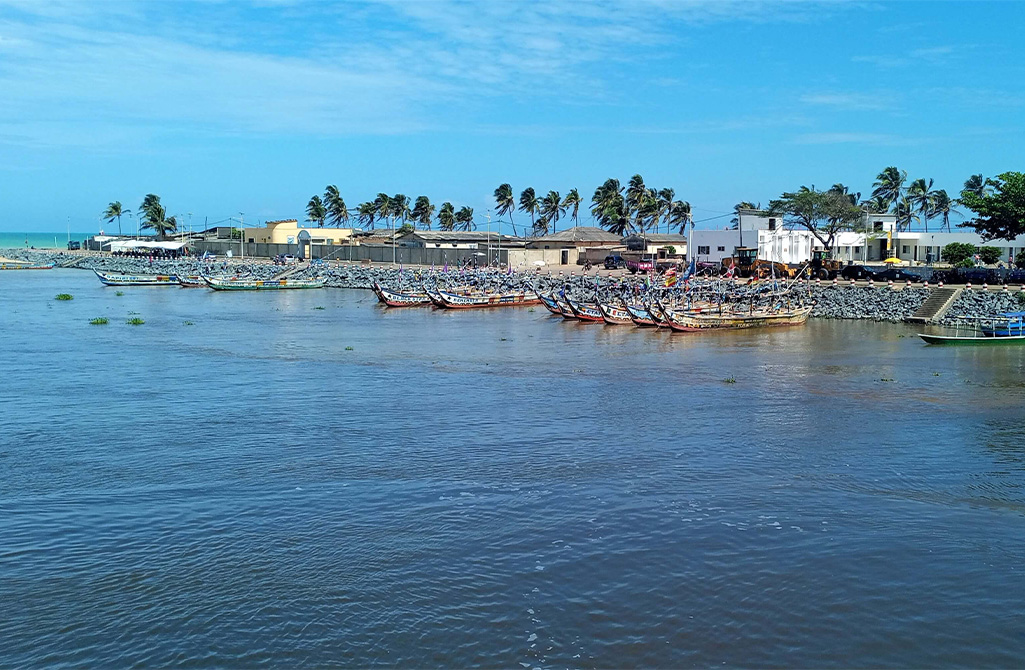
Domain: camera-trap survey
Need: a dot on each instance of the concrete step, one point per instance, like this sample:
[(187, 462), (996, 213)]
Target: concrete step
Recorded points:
[(936, 305)]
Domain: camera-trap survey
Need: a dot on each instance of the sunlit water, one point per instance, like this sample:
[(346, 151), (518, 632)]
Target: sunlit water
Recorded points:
[(231, 485)]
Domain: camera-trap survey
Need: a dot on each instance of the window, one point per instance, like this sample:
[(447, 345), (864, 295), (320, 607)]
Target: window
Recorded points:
[(703, 250), (857, 250), (877, 226), (720, 248), (772, 226), (904, 249)]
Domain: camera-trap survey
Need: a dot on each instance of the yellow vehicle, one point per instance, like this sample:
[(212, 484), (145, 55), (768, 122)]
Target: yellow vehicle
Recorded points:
[(823, 266), (747, 264)]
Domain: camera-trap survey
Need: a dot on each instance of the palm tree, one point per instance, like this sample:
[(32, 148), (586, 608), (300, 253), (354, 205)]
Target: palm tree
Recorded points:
[(649, 210), (464, 219), (978, 185), (608, 207), (679, 215), (875, 205), (400, 207), (423, 212), (889, 186), (315, 211), (115, 211), (636, 192), (367, 214), (337, 212), (529, 203), (154, 216), (551, 208), (446, 217), (505, 203), (665, 206), (382, 203), (739, 206), (572, 202), (943, 205), (920, 197), (840, 189), (904, 213)]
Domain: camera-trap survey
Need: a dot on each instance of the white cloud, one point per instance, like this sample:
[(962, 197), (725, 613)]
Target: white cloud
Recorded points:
[(850, 101)]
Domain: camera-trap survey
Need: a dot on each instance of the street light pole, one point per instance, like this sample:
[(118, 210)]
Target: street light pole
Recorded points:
[(242, 236)]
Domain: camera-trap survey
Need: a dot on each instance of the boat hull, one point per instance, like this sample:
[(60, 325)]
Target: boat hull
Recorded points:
[(219, 284), (399, 299), (985, 341), (25, 266), (614, 316), (583, 311), (115, 279), (696, 322), (457, 301)]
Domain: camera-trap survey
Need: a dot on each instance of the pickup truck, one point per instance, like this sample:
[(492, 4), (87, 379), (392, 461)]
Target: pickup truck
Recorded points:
[(646, 263)]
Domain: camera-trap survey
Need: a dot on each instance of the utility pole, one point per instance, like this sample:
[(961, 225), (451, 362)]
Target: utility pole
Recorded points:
[(242, 237)]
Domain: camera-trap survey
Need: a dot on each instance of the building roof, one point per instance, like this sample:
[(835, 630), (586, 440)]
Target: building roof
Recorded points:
[(580, 234), (665, 238), (455, 235)]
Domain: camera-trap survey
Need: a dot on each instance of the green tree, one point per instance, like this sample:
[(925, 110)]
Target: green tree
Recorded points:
[(840, 189), (337, 212), (1000, 214), (609, 209), (400, 207), (382, 204), (552, 209), (823, 213), (423, 212), (875, 205), (889, 186), (446, 217), (943, 206), (735, 221), (505, 203), (1019, 260), (572, 203), (978, 185), (530, 204), (680, 216), (665, 207), (367, 214), (921, 197), (989, 255), (956, 252), (636, 194), (115, 211), (154, 217), (316, 212), (464, 219)]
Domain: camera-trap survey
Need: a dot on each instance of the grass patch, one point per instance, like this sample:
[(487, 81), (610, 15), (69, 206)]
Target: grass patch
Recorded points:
[(99, 321), (64, 296), (135, 321)]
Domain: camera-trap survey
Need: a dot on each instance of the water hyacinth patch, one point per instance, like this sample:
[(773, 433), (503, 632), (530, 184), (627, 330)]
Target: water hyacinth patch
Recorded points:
[(64, 296), (135, 321), (99, 321)]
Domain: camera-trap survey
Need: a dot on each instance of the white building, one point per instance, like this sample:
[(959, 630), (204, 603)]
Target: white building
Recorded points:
[(715, 245)]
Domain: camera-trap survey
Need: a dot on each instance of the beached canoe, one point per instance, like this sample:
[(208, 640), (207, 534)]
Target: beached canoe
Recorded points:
[(399, 299), (16, 265), (470, 301)]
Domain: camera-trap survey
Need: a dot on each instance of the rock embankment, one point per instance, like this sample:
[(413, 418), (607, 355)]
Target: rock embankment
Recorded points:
[(861, 302)]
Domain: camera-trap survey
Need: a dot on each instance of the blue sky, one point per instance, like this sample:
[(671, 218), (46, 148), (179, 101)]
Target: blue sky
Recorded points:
[(224, 107)]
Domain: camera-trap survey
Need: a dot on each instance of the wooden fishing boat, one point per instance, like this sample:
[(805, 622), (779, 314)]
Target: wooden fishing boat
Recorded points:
[(550, 303), (235, 284), (399, 298), (192, 281), (614, 315), (639, 315), (434, 297), (1008, 328), (566, 310), (478, 300), (657, 313), (19, 265), (118, 279), (736, 319), (584, 311)]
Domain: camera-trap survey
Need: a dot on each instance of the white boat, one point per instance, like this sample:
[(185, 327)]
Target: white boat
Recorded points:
[(117, 279), (236, 284)]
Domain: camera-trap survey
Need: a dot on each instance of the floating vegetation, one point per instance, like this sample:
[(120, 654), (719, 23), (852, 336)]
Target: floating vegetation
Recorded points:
[(99, 321), (64, 296), (318, 307), (187, 323), (886, 379), (730, 380), (119, 293), (348, 348), (135, 321)]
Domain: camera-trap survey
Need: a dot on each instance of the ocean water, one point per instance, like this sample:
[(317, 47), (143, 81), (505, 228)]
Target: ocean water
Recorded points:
[(39, 240), (306, 479)]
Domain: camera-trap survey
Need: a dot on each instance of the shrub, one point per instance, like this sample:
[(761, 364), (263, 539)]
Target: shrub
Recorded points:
[(1020, 259), (989, 255), (955, 252), (966, 263)]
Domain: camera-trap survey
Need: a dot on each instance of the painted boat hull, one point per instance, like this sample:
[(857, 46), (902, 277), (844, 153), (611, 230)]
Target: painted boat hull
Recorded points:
[(399, 299), (219, 284), (614, 316), (457, 301), (584, 311), (984, 341), (550, 304), (116, 279), (696, 322), (25, 266), (639, 315)]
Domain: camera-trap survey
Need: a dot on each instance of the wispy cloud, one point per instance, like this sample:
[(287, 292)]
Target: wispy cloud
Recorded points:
[(850, 101), (874, 139)]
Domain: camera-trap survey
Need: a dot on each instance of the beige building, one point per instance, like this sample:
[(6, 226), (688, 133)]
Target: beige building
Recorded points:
[(287, 231)]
